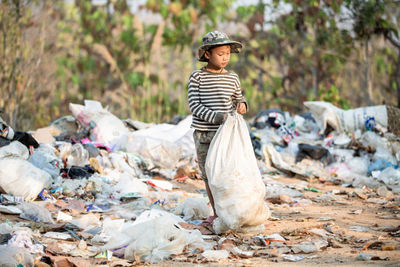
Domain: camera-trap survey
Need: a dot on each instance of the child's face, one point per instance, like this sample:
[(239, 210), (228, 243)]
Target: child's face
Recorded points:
[(219, 56)]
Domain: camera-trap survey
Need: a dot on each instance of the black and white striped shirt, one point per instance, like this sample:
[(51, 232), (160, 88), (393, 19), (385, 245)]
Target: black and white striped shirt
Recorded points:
[(210, 93)]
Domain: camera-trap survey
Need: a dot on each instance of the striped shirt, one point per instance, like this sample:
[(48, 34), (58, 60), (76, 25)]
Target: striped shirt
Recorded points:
[(210, 93)]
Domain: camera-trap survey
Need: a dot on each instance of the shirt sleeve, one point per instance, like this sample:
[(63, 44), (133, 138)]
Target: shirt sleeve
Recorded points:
[(195, 105), (238, 96)]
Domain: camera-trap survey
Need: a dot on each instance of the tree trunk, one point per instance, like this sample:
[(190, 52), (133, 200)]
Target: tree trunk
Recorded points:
[(397, 77), (367, 82)]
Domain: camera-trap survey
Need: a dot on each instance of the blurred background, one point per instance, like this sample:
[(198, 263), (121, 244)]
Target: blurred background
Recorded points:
[(136, 56)]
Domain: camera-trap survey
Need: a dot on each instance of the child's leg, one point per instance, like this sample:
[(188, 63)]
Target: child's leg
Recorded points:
[(202, 140)]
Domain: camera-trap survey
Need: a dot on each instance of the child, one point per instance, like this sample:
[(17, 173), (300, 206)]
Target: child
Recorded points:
[(213, 93)]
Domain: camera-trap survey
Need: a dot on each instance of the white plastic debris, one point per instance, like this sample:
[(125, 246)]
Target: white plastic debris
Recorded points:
[(193, 209), (57, 235), (20, 178), (215, 255), (23, 239), (14, 150), (36, 213), (129, 184), (9, 209), (105, 127), (15, 256), (152, 240)]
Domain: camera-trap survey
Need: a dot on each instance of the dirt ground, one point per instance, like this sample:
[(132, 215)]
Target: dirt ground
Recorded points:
[(294, 222)]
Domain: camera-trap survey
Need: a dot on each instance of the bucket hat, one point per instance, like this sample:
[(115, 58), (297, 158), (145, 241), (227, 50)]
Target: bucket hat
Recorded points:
[(217, 38)]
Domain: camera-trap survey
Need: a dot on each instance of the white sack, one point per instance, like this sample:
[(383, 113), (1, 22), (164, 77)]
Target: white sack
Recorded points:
[(105, 126), (19, 177), (14, 150), (234, 178), (345, 120)]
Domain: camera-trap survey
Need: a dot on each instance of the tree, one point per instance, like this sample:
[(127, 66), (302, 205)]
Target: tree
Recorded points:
[(373, 18), (306, 47)]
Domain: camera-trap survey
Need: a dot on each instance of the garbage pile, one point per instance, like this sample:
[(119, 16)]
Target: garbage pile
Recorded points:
[(352, 146), (92, 189)]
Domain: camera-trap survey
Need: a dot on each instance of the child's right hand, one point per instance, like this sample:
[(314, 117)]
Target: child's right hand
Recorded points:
[(241, 108)]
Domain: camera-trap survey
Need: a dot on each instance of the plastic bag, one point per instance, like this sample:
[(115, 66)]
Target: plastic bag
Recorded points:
[(129, 184), (193, 209), (19, 177), (374, 140), (155, 240), (11, 256), (234, 178), (389, 176), (46, 162), (35, 213), (76, 155), (161, 152), (164, 144), (119, 162), (152, 240), (14, 150), (105, 126)]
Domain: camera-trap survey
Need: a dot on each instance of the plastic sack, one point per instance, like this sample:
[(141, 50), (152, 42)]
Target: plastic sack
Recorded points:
[(19, 177), (46, 162), (164, 144), (193, 209), (11, 256), (35, 213), (162, 153), (14, 150), (152, 240), (234, 178), (390, 176), (155, 240), (345, 120), (105, 126)]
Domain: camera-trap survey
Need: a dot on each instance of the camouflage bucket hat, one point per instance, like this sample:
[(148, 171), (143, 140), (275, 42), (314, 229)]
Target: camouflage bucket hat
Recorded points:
[(217, 38)]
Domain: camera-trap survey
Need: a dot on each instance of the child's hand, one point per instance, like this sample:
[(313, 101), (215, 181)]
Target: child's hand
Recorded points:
[(241, 108)]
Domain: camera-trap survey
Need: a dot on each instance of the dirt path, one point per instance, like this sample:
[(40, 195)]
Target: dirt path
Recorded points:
[(294, 222), (347, 223)]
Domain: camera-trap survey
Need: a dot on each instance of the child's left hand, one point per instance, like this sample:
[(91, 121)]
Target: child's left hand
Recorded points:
[(241, 108)]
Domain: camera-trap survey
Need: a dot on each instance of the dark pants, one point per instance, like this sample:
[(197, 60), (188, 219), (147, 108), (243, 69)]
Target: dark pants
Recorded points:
[(202, 140)]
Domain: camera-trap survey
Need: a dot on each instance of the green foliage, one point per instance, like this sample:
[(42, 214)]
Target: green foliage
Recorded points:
[(332, 95), (140, 70)]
